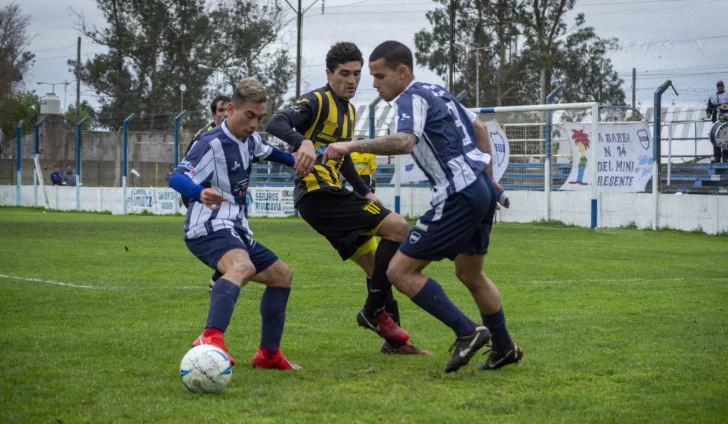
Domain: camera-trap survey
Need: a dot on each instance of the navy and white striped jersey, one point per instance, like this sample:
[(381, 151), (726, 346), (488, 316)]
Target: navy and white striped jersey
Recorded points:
[(446, 148), (221, 161)]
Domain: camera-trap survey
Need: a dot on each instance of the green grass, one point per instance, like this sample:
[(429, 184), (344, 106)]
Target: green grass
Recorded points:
[(614, 328)]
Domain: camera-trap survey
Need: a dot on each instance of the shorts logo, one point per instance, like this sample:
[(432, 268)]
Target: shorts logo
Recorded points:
[(414, 237), (372, 208)]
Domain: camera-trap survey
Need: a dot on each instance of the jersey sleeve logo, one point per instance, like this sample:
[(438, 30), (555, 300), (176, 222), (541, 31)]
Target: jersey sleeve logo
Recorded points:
[(188, 166)]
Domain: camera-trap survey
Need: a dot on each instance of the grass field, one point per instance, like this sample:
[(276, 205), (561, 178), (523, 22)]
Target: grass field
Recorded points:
[(631, 327)]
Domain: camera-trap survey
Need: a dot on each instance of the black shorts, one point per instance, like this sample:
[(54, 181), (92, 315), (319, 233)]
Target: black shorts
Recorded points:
[(347, 220)]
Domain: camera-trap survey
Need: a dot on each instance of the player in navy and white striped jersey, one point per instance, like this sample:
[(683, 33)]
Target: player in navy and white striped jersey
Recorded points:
[(453, 149), (215, 175)]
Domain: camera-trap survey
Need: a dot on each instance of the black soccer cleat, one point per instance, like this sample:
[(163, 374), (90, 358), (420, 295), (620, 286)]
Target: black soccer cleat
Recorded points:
[(465, 347), (499, 359)]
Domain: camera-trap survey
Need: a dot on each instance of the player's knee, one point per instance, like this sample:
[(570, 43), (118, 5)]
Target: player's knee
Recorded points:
[(241, 273), (286, 276), (395, 274), (397, 228), (471, 278)]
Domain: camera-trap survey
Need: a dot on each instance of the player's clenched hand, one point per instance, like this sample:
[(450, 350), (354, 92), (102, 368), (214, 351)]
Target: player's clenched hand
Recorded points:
[(374, 199), (305, 158), (211, 198), (336, 151)]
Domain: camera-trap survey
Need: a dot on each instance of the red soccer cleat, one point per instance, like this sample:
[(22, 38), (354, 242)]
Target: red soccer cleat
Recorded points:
[(405, 349), (383, 325), (213, 336), (272, 360)]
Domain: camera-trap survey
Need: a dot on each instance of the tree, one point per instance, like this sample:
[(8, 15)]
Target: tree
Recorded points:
[(154, 47), (15, 61), (584, 69), (85, 111), (23, 106), (251, 27), (550, 54), (543, 24)]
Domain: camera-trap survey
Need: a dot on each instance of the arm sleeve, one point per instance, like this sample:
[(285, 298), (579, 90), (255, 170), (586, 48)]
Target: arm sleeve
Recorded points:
[(199, 163), (410, 114), (184, 185), (349, 172), (281, 157), (284, 124)]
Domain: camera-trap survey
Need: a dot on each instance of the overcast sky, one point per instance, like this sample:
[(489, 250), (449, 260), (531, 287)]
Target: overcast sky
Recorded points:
[(681, 40)]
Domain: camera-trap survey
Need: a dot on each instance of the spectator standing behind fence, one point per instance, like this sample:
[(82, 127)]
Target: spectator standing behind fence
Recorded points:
[(366, 167), (56, 176), (715, 101), (69, 178)]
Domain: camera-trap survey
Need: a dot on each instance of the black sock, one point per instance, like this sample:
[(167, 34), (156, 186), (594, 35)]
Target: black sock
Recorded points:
[(392, 308), (380, 288)]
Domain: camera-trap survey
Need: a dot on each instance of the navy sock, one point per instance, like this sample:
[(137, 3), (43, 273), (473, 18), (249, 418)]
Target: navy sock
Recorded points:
[(432, 298), (273, 316), (496, 323), (222, 303)]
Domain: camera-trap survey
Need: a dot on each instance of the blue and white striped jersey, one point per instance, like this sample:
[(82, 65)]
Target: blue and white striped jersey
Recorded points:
[(446, 148), (221, 161)]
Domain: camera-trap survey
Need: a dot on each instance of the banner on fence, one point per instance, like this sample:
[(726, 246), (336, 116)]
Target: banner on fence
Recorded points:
[(270, 202), (261, 201), (499, 147), (625, 157)]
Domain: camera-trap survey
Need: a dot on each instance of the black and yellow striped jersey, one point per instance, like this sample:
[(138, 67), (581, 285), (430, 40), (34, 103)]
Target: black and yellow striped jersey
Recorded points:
[(323, 118), (202, 131)]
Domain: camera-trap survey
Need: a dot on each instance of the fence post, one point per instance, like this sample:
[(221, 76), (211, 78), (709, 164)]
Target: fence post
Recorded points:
[(125, 130), (372, 110), (36, 143), (177, 120), (18, 160), (595, 167), (669, 153), (657, 118), (78, 163), (547, 152)]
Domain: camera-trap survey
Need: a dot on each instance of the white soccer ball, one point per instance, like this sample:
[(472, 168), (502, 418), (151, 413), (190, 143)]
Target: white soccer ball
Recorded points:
[(205, 369)]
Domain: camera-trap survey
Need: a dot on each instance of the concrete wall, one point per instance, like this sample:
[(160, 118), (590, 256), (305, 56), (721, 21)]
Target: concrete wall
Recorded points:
[(684, 212)]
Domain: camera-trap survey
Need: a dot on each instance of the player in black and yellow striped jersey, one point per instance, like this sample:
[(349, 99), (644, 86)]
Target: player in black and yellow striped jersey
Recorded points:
[(349, 220)]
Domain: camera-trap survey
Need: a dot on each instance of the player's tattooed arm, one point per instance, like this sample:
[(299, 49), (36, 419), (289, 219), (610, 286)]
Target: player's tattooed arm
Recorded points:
[(395, 144)]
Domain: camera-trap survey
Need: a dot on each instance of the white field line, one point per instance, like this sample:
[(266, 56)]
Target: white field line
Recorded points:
[(353, 284)]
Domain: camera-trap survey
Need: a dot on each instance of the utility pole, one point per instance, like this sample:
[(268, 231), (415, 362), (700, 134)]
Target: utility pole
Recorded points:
[(452, 46), (634, 86), (78, 79), (299, 11)]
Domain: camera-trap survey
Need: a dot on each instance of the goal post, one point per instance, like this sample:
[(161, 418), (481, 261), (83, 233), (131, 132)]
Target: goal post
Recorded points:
[(592, 107)]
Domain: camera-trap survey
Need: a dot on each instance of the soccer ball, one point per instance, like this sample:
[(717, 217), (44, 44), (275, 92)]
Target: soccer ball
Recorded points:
[(205, 369)]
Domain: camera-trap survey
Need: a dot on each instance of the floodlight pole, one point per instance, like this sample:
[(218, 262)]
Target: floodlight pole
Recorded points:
[(547, 152)]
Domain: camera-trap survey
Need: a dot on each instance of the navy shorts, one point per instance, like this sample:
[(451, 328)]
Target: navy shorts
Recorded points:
[(460, 224), (210, 248)]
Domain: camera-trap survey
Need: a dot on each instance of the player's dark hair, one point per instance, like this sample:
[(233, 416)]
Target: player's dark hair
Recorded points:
[(394, 54), (341, 53), (213, 105)]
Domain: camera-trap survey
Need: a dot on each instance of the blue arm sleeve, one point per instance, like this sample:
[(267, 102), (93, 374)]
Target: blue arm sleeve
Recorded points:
[(281, 157), (185, 186)]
